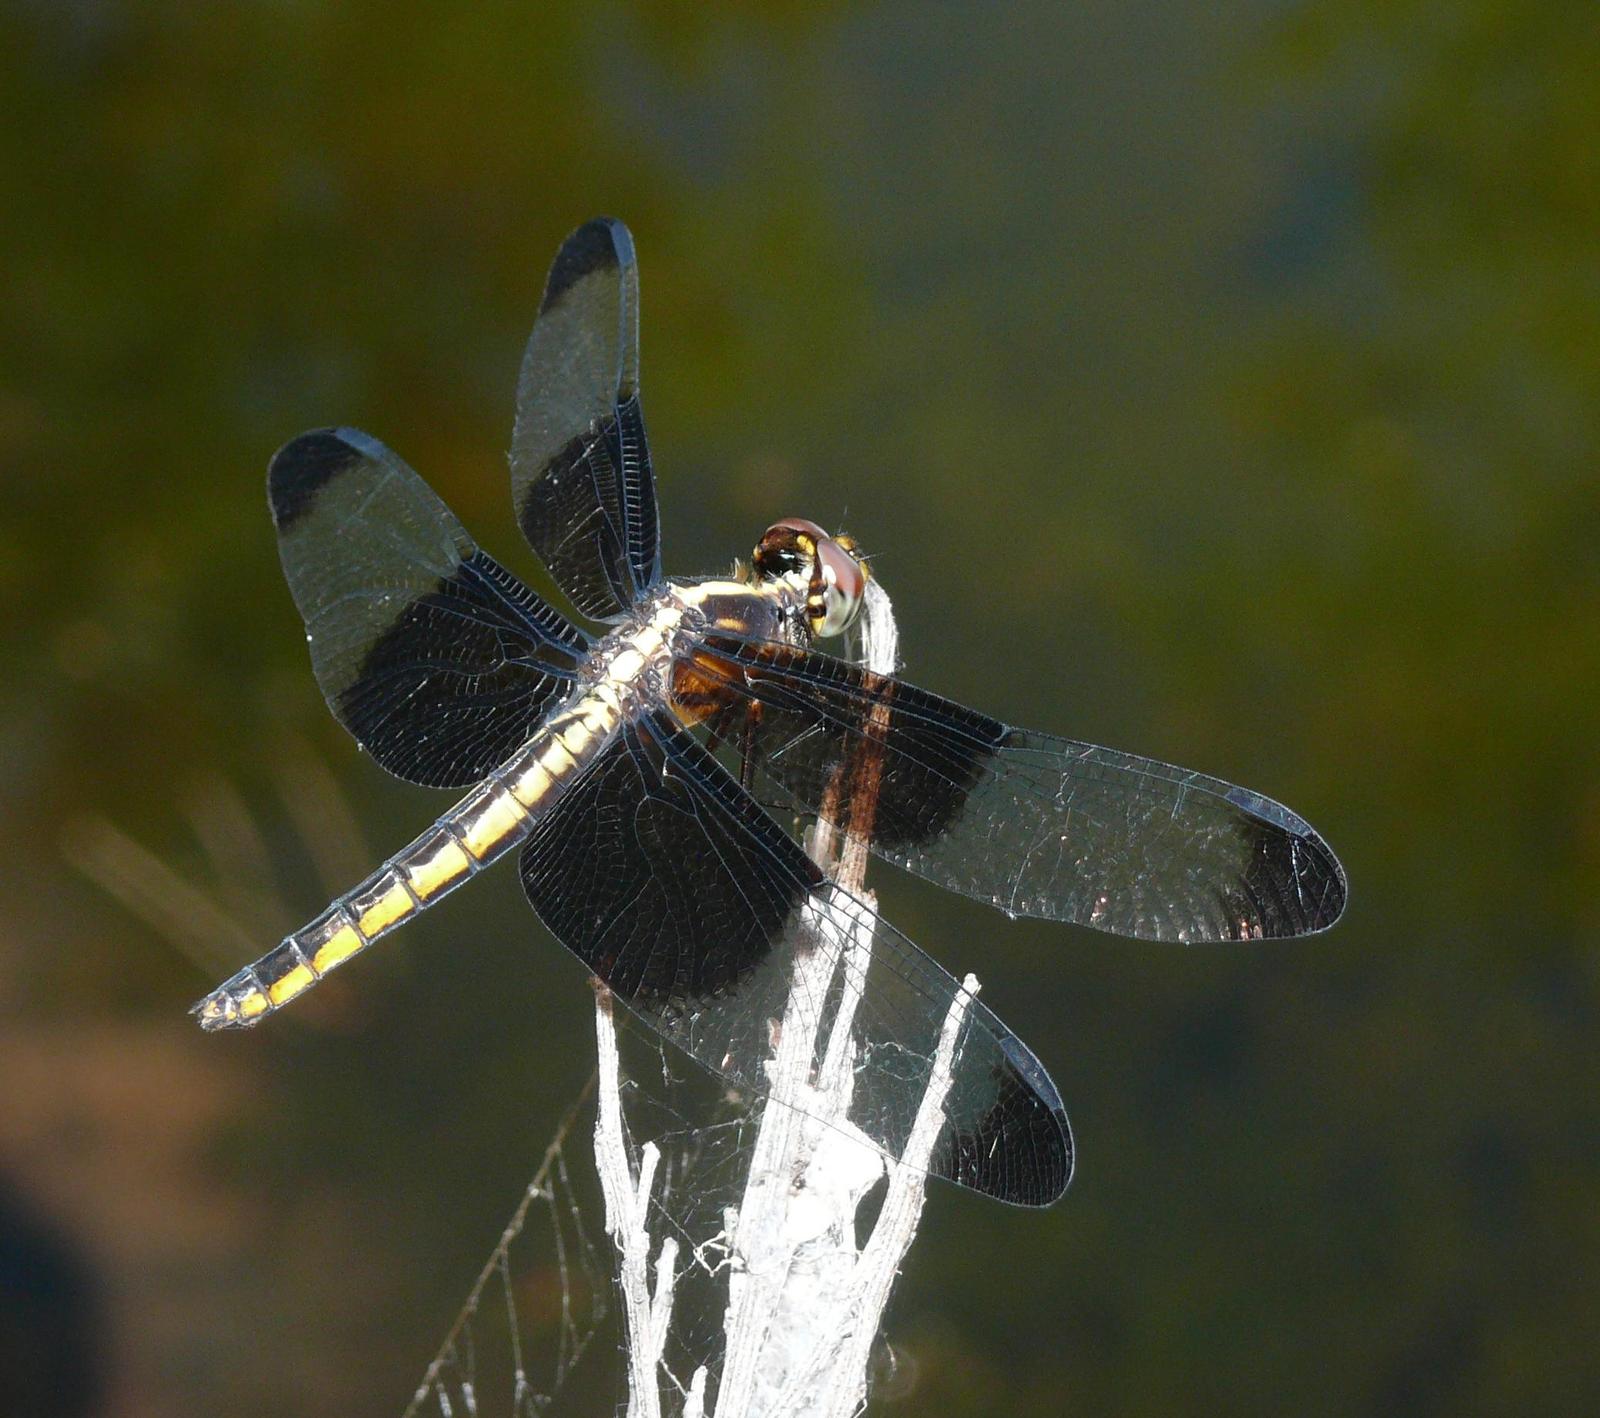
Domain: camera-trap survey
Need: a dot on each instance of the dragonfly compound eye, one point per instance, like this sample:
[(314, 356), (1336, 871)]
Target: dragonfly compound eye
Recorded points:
[(822, 570), (836, 589)]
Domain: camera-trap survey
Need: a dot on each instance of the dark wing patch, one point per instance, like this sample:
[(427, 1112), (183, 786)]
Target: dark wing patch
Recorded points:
[(301, 469), (596, 248), (1035, 825), (662, 874), (580, 462), (669, 898), (435, 657)]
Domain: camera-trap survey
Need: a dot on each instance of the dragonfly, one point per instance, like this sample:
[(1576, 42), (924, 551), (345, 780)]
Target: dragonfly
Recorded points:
[(623, 757)]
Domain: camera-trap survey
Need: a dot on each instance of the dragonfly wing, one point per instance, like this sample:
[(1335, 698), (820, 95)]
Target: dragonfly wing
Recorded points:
[(674, 887), (580, 463), (435, 657), (1036, 825)]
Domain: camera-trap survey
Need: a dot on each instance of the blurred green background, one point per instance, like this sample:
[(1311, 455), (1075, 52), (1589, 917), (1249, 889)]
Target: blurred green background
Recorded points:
[(1217, 382)]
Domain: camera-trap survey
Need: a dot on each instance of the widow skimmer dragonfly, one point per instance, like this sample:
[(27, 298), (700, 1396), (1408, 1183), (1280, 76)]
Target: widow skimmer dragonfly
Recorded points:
[(641, 851)]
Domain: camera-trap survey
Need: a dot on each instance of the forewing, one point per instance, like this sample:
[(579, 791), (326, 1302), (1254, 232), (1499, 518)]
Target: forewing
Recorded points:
[(580, 465), (670, 883), (1036, 825), (436, 658)]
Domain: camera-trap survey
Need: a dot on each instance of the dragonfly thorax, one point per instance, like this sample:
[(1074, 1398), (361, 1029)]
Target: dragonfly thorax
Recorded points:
[(635, 660), (634, 657)]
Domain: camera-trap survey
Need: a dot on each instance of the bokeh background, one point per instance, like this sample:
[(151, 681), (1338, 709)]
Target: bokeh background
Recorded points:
[(1217, 382)]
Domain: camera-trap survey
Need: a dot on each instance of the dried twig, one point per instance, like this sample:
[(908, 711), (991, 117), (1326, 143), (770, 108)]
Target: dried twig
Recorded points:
[(804, 1301)]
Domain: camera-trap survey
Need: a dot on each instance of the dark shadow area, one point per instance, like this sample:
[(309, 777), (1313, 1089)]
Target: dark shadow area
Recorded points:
[(54, 1339)]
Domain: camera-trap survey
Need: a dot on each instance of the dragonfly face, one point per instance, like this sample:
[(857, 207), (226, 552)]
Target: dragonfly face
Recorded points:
[(823, 573), (596, 755)]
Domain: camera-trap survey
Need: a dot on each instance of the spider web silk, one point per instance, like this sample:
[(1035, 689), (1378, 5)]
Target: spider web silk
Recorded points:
[(538, 1303)]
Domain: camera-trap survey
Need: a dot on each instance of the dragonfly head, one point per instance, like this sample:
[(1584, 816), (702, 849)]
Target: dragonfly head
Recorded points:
[(826, 574)]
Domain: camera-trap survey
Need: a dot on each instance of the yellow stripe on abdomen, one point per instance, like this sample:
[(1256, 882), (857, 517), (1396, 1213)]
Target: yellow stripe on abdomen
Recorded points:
[(494, 817), (377, 905), (434, 863)]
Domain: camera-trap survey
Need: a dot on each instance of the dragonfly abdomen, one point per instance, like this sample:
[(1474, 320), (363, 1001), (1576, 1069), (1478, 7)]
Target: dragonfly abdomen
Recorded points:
[(493, 818)]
